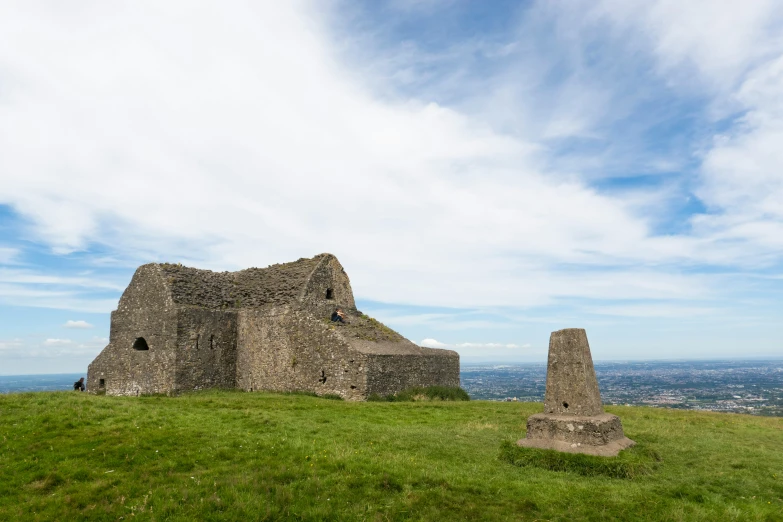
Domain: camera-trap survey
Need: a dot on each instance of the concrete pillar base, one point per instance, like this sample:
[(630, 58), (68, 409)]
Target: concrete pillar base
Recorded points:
[(600, 435)]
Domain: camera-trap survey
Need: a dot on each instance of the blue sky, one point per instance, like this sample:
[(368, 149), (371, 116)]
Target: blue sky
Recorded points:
[(487, 172)]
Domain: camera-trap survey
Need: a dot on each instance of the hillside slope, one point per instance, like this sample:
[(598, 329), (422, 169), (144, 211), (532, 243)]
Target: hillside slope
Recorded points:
[(253, 456)]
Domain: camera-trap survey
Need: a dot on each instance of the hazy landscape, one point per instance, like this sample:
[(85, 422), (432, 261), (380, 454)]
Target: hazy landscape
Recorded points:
[(753, 387)]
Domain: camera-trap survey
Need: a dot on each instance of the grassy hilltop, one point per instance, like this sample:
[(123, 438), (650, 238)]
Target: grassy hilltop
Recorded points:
[(254, 456)]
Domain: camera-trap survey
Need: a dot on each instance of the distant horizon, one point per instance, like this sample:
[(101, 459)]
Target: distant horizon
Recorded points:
[(600, 361), (508, 363)]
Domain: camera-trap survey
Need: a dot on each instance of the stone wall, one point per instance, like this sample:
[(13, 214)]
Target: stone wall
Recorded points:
[(289, 349), (145, 317), (328, 287), (250, 288), (206, 349), (389, 374)]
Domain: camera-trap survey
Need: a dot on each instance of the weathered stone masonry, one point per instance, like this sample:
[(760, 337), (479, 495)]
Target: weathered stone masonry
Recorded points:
[(178, 328)]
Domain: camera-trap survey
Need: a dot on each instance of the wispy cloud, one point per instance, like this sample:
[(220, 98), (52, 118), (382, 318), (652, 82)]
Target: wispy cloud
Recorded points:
[(8, 255), (52, 348), (654, 310), (491, 345), (11, 346), (57, 342), (21, 295), (473, 351), (78, 325), (26, 287), (433, 343), (31, 277)]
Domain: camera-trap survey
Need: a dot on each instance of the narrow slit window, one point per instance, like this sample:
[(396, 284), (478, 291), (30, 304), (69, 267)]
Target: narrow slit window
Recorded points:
[(140, 344), (329, 293)]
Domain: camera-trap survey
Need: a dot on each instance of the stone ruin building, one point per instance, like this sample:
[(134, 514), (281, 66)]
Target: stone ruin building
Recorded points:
[(178, 329), (574, 420)]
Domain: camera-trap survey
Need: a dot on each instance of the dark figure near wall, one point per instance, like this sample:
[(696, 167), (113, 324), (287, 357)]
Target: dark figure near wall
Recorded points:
[(79, 385), (338, 316)]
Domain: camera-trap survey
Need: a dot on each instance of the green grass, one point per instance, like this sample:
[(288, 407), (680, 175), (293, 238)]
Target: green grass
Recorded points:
[(631, 463), (254, 456)]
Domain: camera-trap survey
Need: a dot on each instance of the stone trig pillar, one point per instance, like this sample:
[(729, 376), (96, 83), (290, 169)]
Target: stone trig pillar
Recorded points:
[(574, 420)]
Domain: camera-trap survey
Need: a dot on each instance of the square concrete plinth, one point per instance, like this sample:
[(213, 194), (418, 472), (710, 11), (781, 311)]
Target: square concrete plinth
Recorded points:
[(594, 435)]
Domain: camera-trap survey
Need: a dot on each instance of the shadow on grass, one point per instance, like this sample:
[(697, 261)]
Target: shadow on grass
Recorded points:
[(631, 463)]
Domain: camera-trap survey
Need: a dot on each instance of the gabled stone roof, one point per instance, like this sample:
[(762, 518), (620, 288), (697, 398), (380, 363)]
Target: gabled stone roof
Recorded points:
[(250, 288)]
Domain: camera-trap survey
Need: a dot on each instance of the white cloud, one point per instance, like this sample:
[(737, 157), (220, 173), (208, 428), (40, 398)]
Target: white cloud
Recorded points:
[(488, 345), (734, 56), (24, 287), (432, 343), (474, 352), (654, 310), (12, 345), (742, 176), (78, 324), (8, 255), (25, 276), (65, 299), (57, 342), (48, 356), (719, 40)]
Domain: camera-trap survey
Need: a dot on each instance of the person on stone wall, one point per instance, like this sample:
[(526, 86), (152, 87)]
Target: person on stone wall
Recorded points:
[(338, 316), (79, 385)]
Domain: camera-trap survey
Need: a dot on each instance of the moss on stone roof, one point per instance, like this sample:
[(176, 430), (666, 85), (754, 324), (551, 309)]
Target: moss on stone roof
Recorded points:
[(250, 288), (365, 328)]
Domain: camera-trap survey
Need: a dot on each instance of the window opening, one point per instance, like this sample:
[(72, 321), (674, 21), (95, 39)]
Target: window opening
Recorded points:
[(322, 380), (329, 293), (211, 342), (101, 383), (140, 344)]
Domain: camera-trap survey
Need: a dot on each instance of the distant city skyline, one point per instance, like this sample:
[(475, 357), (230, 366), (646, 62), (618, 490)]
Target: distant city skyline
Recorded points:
[(487, 172)]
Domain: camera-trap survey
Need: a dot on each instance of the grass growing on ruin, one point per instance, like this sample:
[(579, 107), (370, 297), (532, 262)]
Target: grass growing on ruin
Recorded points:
[(424, 393), (255, 456)]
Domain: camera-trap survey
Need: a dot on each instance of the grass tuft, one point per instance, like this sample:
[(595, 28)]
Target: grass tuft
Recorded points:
[(629, 464), (429, 393), (327, 396)]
